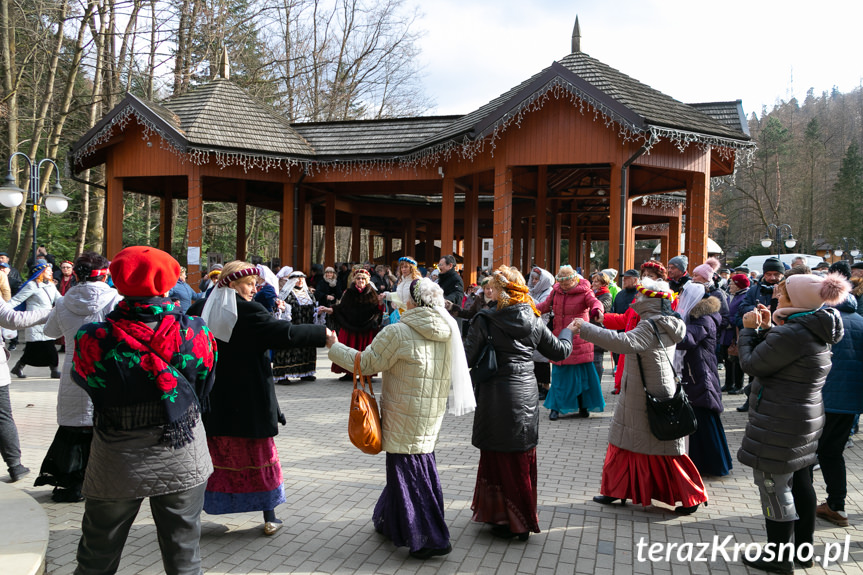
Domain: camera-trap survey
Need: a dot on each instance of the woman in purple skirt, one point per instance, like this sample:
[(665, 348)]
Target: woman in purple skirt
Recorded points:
[(419, 357)]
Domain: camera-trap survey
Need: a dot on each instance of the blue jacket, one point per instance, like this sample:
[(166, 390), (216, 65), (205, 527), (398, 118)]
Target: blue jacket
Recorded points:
[(758, 293), (843, 390), (729, 332), (184, 293)]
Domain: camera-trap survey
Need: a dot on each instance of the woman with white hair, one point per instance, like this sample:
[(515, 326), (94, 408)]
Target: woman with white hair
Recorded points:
[(638, 466), (419, 357), (300, 309)]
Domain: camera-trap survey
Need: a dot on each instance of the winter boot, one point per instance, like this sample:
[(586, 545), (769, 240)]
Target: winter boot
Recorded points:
[(778, 533), (18, 370)]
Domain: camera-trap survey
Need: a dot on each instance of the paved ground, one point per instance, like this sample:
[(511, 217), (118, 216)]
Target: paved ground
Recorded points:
[(332, 488)]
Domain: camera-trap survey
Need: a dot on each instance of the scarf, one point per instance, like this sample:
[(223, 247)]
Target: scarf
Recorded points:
[(110, 357), (512, 293)]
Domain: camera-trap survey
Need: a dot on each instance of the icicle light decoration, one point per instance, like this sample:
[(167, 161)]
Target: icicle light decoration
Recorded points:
[(467, 148)]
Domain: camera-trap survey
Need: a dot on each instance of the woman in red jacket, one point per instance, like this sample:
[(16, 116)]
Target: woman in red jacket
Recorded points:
[(574, 382)]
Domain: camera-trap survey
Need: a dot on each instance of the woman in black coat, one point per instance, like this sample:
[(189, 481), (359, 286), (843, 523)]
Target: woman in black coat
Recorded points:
[(244, 412), (789, 359), (506, 423)]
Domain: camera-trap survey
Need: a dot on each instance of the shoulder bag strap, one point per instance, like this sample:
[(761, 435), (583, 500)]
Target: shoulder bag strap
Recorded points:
[(360, 380), (664, 349)]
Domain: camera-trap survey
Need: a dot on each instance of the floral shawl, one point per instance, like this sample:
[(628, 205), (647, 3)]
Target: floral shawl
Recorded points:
[(121, 363)]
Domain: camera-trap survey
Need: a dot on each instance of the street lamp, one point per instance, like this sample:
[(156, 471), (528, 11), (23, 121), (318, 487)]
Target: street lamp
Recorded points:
[(781, 231), (850, 245), (11, 195)]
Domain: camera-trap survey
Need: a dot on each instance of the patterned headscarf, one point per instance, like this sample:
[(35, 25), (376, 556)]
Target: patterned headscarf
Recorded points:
[(511, 293)]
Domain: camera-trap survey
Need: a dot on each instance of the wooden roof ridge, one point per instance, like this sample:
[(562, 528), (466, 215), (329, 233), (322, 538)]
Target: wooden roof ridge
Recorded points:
[(360, 121)]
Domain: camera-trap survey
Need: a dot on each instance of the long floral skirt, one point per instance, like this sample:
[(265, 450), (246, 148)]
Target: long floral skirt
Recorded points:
[(246, 475), (505, 492), (410, 510), (641, 478)]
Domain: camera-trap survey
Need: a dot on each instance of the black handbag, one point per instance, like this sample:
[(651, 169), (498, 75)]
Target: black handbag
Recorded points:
[(670, 418), (486, 365)]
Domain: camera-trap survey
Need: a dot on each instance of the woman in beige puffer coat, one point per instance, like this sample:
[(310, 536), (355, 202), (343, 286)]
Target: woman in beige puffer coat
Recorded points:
[(416, 359), (639, 466)]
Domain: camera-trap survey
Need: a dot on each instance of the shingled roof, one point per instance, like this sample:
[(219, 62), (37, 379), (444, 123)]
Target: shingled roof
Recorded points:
[(222, 117)]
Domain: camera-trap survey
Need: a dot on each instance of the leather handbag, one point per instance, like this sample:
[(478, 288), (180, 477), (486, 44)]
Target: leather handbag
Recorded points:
[(364, 422), (670, 418), (486, 365)]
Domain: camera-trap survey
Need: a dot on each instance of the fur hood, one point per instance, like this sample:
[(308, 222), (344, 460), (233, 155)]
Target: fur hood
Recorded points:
[(705, 307)]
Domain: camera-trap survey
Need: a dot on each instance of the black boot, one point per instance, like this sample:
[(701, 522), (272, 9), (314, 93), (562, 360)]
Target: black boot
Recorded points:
[(55, 373), (18, 370), (778, 533)]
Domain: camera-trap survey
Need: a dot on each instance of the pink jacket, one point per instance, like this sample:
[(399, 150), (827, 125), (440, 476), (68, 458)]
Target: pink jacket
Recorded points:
[(579, 301)]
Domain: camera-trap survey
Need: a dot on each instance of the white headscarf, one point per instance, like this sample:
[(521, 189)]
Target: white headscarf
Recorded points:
[(284, 272), (304, 296), (220, 311), (543, 286), (268, 276)]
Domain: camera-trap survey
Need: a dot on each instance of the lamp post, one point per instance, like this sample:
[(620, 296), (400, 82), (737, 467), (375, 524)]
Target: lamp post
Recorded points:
[(780, 232), (11, 195), (850, 248)]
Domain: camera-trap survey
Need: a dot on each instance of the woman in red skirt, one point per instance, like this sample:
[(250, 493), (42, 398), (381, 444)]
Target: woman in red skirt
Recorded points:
[(357, 315), (638, 466)]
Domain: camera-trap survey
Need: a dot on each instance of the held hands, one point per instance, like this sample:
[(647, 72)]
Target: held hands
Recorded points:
[(325, 309), (575, 325), (331, 338)]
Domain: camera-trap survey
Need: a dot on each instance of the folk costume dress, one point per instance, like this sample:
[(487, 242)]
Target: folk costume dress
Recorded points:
[(638, 466), (244, 412), (358, 317), (574, 381), (506, 423), (296, 362)]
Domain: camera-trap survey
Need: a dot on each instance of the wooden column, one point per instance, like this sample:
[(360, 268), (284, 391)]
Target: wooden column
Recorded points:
[(287, 241), (408, 242), (195, 211), (673, 239), (471, 232), (388, 251), (356, 236), (329, 230), (502, 212), (698, 217), (113, 214), (447, 216), (557, 239), (526, 233), (615, 255), (371, 246), (630, 241), (166, 221), (586, 262), (542, 256), (241, 221), (574, 240), (304, 236)]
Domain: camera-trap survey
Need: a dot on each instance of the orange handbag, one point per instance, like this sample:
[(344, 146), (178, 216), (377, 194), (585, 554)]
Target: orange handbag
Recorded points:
[(364, 423)]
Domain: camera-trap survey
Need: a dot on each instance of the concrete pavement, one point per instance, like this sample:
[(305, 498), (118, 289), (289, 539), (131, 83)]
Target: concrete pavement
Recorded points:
[(332, 488)]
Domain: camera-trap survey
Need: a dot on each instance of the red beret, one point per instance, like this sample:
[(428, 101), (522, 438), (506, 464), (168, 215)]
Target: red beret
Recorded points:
[(142, 271)]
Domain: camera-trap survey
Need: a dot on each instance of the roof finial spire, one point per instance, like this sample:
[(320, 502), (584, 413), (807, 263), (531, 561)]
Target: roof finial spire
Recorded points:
[(576, 37), (225, 65)]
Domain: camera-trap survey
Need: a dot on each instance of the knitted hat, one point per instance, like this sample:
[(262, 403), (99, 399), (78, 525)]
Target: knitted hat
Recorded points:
[(611, 273), (681, 262), (707, 269), (841, 267), (656, 268), (142, 271), (740, 280), (773, 265), (808, 292)]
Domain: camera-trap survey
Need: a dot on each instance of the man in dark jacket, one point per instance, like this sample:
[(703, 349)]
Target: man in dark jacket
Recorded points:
[(677, 275), (843, 399), (15, 279), (450, 281), (627, 294)]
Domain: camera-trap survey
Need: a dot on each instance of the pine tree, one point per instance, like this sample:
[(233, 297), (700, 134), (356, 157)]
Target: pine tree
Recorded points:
[(848, 194)]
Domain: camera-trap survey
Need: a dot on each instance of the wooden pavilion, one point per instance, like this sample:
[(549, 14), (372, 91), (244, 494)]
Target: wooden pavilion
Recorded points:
[(579, 151)]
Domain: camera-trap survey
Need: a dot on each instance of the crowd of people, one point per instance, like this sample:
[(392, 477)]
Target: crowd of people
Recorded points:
[(157, 370)]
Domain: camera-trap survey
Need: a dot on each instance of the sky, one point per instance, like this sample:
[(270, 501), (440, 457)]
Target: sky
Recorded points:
[(757, 51)]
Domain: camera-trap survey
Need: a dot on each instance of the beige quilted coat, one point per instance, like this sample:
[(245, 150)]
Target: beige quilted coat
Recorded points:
[(414, 357), (629, 428)]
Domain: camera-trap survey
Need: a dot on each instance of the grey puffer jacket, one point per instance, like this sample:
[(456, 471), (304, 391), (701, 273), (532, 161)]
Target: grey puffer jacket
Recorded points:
[(507, 405), (789, 364), (84, 303), (37, 296), (629, 427)]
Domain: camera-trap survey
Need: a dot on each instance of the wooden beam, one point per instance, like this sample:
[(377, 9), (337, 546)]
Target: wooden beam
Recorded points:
[(541, 257), (574, 242), (471, 231), (616, 255), (166, 221), (287, 241), (674, 229), (558, 239), (447, 216), (195, 212), (304, 235), (698, 217), (356, 237), (241, 220), (329, 230), (502, 234)]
